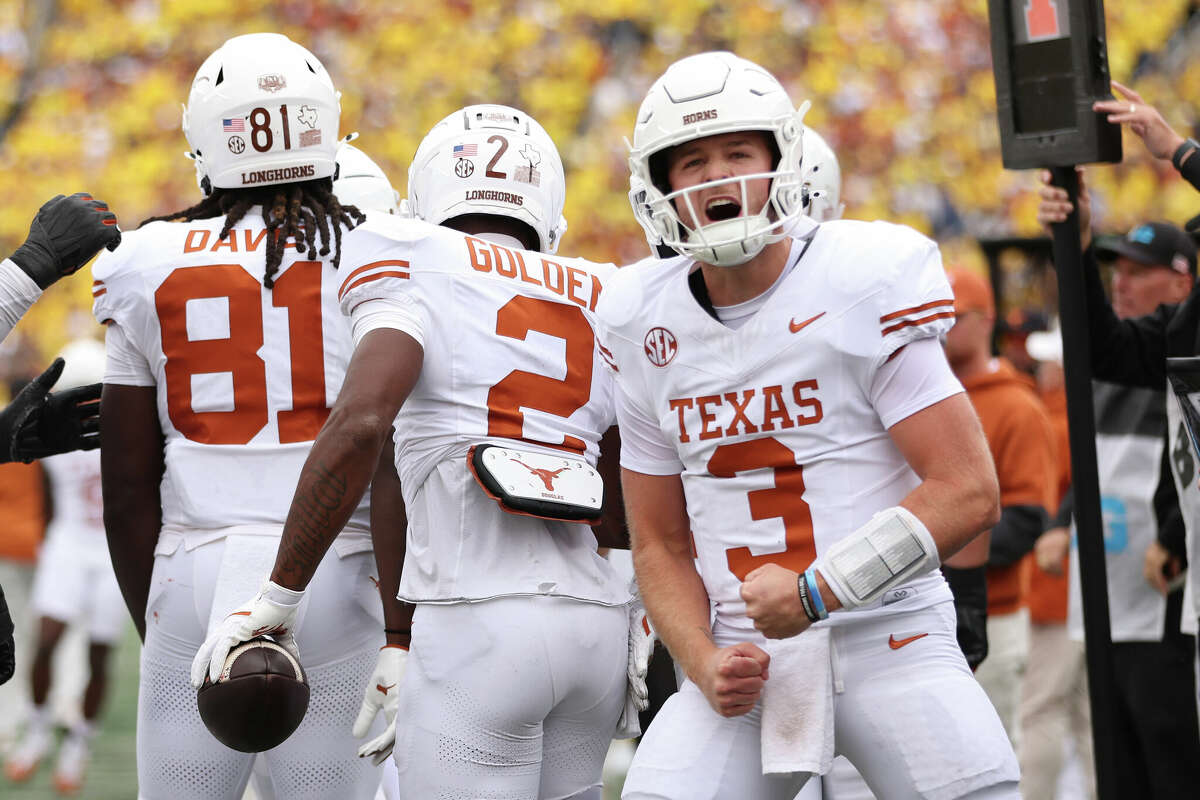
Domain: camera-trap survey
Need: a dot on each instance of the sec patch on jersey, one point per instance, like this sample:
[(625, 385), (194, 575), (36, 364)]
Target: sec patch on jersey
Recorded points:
[(259, 699)]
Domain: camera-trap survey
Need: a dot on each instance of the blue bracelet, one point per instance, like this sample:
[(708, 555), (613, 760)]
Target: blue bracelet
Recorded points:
[(814, 593)]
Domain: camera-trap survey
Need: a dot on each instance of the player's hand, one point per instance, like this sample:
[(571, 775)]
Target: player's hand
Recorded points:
[(1142, 119), (1051, 548), (1160, 567), (641, 646), (381, 694), (37, 424), (773, 601), (732, 678), (271, 612), (64, 236), (1055, 207)]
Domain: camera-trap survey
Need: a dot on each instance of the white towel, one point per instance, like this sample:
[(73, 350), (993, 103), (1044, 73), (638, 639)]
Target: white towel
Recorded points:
[(797, 705), (246, 565)]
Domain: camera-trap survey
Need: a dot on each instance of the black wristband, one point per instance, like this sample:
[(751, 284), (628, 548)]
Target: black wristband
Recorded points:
[(805, 600), (1188, 146), (398, 631)]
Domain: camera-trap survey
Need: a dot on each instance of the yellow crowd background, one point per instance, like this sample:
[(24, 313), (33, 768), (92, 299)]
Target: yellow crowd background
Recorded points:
[(902, 90)]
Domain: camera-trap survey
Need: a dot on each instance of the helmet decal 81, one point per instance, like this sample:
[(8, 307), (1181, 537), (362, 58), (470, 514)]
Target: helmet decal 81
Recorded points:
[(707, 95), (822, 179), (490, 159), (262, 110), (361, 183)]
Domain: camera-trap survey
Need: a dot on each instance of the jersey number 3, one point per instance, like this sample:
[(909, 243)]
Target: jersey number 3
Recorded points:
[(299, 291), (783, 500)]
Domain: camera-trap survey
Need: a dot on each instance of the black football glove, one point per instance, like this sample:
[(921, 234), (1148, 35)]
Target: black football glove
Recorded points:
[(38, 423), (8, 660), (64, 236), (969, 587)]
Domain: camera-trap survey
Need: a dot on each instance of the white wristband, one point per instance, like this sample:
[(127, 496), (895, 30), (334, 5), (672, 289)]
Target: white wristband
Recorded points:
[(891, 548), (281, 596)]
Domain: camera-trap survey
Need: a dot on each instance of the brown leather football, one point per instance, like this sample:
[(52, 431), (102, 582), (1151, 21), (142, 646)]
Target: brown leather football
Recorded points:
[(258, 701)]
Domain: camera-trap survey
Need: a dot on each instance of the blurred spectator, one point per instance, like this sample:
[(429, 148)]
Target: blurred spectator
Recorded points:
[(1012, 331), (1022, 444), (1054, 707), (912, 113), (23, 515), (1153, 661)]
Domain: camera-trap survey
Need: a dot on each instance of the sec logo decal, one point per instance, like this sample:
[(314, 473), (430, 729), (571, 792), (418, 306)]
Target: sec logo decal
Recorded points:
[(660, 346)]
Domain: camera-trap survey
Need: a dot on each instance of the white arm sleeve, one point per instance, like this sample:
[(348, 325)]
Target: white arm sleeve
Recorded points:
[(17, 293), (398, 313), (915, 378), (643, 447), (124, 364)]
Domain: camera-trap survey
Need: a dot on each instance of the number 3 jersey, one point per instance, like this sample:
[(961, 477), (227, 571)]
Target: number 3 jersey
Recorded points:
[(779, 428), (509, 357), (245, 375)]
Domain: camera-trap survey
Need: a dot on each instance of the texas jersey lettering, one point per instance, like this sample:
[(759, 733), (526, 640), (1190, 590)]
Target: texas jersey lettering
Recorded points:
[(794, 416)]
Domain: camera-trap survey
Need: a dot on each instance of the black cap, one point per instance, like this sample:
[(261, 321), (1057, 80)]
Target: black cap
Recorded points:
[(1158, 244)]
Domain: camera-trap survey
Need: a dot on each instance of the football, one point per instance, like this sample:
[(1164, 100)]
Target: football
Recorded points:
[(259, 699)]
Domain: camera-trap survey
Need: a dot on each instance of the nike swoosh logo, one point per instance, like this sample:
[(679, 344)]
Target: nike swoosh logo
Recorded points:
[(896, 644), (796, 327), (384, 689)]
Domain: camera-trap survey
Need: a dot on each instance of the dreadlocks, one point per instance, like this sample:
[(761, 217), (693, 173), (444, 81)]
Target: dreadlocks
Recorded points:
[(291, 211)]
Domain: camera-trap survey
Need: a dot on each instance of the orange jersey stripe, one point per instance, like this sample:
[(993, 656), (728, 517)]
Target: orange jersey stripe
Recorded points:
[(921, 321), (387, 263), (904, 312), (100, 292), (368, 278)]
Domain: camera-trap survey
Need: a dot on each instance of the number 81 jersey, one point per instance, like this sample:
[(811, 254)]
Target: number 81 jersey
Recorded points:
[(775, 427), (245, 375)]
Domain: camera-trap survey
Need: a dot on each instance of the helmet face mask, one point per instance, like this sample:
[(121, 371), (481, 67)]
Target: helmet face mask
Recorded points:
[(492, 160), (706, 95), (262, 110)]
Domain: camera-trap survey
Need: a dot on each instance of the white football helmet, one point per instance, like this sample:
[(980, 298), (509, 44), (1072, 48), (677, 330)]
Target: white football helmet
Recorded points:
[(360, 182), (85, 362), (262, 110), (822, 179), (705, 95), (490, 159)]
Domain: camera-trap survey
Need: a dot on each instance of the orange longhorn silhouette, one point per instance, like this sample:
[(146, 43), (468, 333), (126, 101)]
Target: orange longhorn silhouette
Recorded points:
[(546, 475)]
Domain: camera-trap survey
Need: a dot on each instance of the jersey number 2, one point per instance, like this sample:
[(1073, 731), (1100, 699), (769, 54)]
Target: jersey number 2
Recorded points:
[(299, 291), (562, 398), (783, 500)]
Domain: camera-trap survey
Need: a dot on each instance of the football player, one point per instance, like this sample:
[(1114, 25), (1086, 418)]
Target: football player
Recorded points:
[(786, 409), (74, 582), (225, 352), (480, 349)]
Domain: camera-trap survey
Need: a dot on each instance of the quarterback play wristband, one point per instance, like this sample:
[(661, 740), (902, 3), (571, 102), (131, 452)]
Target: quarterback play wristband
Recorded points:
[(814, 593), (891, 548)]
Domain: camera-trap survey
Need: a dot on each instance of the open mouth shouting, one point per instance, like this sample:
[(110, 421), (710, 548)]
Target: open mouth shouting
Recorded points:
[(721, 208)]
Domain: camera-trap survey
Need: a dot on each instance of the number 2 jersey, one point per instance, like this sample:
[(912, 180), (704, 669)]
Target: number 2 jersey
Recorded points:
[(245, 375), (509, 357), (779, 428)]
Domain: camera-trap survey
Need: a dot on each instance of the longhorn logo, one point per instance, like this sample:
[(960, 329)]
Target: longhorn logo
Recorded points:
[(546, 475)]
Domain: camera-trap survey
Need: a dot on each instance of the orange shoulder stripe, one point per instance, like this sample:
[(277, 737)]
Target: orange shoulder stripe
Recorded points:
[(904, 312)]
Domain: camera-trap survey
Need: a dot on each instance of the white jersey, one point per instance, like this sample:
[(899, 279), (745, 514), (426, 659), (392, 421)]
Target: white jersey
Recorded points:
[(78, 503), (245, 375), (509, 356), (17, 293), (777, 428)]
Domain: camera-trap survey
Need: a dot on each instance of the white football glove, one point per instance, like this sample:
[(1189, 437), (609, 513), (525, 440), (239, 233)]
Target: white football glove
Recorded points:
[(382, 694), (272, 611), (641, 645)]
